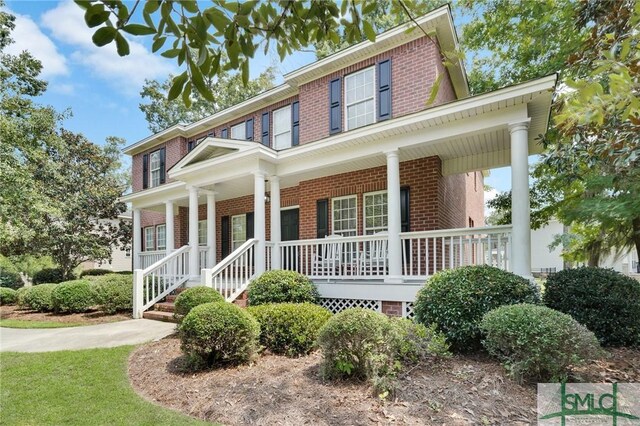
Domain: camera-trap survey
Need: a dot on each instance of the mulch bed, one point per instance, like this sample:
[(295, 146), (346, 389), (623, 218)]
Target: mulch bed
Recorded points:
[(94, 317)]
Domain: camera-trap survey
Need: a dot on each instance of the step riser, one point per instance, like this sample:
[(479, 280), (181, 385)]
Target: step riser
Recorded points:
[(159, 316), (165, 307)]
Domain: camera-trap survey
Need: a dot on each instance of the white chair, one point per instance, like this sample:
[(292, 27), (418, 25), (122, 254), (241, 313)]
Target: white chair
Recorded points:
[(328, 257), (374, 260)]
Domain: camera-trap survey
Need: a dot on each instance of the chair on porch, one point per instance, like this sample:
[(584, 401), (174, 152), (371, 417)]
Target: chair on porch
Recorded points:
[(374, 260), (328, 258)]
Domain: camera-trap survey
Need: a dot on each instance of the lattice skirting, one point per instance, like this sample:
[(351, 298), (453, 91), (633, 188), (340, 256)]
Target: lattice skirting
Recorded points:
[(337, 305), (407, 310)]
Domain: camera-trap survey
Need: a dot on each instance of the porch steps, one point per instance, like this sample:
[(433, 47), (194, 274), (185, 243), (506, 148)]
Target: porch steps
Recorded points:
[(163, 311)]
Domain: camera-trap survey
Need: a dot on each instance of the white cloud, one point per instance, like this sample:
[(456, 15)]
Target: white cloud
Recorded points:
[(27, 36), (66, 23), (62, 88)]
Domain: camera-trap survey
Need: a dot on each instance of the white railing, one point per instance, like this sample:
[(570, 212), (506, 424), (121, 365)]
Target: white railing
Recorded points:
[(268, 254), (232, 275), (148, 258), (202, 257), (425, 253), (155, 282)]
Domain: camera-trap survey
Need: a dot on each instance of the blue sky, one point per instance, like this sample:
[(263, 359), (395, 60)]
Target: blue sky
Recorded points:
[(100, 88)]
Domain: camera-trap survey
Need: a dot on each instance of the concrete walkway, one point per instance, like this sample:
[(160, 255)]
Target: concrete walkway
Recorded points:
[(107, 335)]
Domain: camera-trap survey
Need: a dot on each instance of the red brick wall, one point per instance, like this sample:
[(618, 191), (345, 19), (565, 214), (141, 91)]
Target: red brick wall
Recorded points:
[(175, 149), (475, 198)]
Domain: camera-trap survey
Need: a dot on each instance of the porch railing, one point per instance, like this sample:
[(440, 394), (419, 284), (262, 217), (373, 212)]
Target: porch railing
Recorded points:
[(232, 275), (202, 257), (148, 258), (153, 283)]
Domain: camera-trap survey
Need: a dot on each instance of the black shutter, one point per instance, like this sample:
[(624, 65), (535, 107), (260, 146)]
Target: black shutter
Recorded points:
[(405, 224), (212, 133), (335, 110), (191, 145), (295, 123), (145, 171), (265, 128), (225, 241), (322, 218), (163, 156), (384, 90), (144, 241), (250, 232), (248, 133), (223, 133)]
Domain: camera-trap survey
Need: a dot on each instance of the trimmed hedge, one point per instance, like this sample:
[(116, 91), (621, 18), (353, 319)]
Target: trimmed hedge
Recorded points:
[(10, 280), (221, 333), (72, 296), (8, 296), (605, 301), (113, 293), (38, 297), (538, 343), (194, 296), (48, 275), (20, 294), (95, 272), (281, 286), (456, 299), (290, 328)]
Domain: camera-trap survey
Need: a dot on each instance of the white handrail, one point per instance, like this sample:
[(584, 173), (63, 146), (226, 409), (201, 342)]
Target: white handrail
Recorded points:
[(232, 275), (457, 231)]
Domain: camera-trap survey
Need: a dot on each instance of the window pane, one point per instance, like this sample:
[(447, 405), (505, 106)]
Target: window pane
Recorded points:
[(344, 216), (161, 237), (239, 132), (238, 230), (202, 232), (375, 212)]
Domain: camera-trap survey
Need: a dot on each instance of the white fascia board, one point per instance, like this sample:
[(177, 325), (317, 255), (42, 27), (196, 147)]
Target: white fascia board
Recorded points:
[(159, 192), (210, 141), (157, 138)]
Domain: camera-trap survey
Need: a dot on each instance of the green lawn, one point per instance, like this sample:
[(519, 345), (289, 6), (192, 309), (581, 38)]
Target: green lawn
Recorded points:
[(16, 323), (88, 387)]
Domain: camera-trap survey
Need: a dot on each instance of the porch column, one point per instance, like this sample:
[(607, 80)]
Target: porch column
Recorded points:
[(259, 217), (275, 222), (520, 220), (193, 232), (211, 230), (169, 217), (394, 220), (137, 238)]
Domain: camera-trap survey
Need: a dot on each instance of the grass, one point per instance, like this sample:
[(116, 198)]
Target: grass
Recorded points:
[(17, 323), (76, 387)]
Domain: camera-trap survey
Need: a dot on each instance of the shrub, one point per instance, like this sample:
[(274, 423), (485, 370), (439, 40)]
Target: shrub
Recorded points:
[(194, 296), (536, 342), (282, 287), (20, 294), (456, 299), (38, 297), (48, 275), (290, 328), (10, 279), (72, 296), (8, 296), (605, 301), (113, 293), (219, 333), (415, 342), (94, 272)]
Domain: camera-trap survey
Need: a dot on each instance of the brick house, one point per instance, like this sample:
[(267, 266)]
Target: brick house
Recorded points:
[(343, 173)]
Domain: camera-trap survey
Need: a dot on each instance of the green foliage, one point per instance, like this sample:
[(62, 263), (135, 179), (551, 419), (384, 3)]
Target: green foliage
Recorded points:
[(38, 298), (280, 286), (536, 342), (10, 279), (290, 328), (456, 299), (72, 296), (220, 333), (8, 296), (415, 342), (48, 275), (20, 297), (95, 272), (26, 264), (113, 293), (605, 301), (194, 296)]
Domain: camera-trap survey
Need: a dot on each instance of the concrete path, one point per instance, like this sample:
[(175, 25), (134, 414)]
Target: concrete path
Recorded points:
[(108, 335)]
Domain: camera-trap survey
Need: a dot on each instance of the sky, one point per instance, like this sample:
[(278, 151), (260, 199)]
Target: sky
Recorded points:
[(101, 89)]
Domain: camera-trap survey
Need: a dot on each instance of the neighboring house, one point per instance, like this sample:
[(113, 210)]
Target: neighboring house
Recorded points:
[(121, 260), (343, 173)]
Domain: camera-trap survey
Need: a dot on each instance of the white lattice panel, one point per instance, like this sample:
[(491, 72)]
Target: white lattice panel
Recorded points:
[(337, 305), (407, 310)]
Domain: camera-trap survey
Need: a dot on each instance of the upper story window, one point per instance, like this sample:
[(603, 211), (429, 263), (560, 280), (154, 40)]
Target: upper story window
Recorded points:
[(345, 216), (282, 128), (154, 168), (359, 93), (161, 237), (239, 131)]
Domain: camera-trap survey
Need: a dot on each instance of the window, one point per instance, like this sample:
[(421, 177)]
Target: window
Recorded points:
[(359, 95), (239, 131), (154, 168), (161, 237), (202, 232), (375, 212), (345, 216), (238, 231), (282, 128), (149, 241)]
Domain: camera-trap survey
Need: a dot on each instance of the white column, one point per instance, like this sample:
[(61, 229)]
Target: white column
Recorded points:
[(520, 220), (169, 217), (394, 218), (275, 222), (137, 238), (259, 225), (211, 230), (193, 232)]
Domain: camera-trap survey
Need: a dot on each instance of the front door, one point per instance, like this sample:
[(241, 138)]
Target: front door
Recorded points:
[(290, 230)]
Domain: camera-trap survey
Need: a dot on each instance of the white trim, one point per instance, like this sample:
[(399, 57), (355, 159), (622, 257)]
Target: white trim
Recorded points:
[(290, 207), (373, 97)]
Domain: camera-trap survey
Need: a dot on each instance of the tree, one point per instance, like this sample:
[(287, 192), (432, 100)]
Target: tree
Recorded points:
[(162, 113)]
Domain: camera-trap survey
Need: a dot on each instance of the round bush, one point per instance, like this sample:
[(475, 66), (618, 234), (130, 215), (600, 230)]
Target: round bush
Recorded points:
[(603, 300), (194, 296), (20, 297), (415, 342), (113, 293), (290, 328), (282, 287), (219, 333), (48, 275), (38, 297), (536, 342), (8, 296), (10, 279), (72, 296), (95, 272), (456, 299)]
